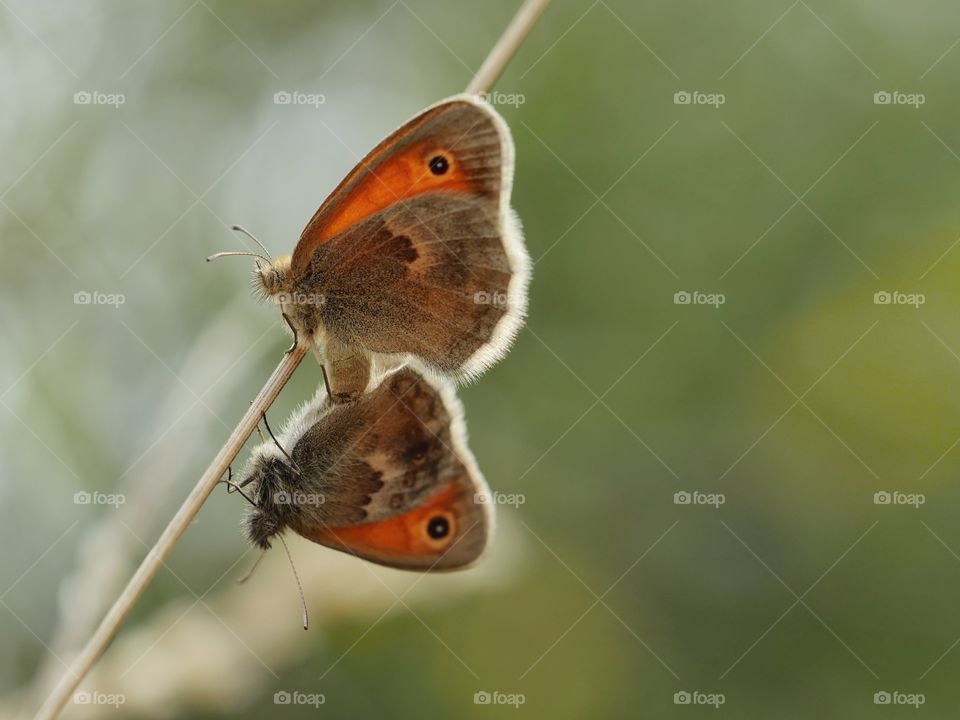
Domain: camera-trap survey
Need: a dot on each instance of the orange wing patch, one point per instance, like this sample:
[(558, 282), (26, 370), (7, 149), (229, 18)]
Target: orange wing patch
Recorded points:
[(403, 536), (422, 168), (453, 147)]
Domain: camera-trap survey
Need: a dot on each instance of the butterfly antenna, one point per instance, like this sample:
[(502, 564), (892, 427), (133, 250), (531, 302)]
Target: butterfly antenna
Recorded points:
[(237, 252), (239, 229), (249, 573), (303, 602)]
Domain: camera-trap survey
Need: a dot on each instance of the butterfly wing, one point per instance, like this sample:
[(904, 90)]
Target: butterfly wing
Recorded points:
[(401, 488), (417, 251)]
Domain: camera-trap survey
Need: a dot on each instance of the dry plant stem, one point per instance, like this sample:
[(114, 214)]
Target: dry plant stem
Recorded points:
[(161, 550), (507, 45), (491, 69)]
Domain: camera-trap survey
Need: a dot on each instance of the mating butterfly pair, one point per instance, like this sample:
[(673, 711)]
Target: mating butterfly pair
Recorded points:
[(411, 275)]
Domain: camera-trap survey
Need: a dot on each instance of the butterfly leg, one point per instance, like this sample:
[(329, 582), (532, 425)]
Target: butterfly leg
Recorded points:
[(323, 370), (277, 443), (232, 487), (259, 432), (326, 381), (293, 330)]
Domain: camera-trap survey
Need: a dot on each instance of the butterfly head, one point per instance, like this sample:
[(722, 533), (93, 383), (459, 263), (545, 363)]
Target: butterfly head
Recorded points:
[(274, 278), (269, 478)]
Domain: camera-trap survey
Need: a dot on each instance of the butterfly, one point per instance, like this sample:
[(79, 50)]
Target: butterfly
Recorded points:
[(388, 478), (416, 253)]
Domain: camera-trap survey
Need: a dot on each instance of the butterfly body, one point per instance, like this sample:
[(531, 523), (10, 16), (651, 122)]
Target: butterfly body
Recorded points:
[(388, 478), (416, 253)]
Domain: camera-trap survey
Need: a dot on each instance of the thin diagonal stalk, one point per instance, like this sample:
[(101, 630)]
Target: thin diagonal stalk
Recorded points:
[(168, 539)]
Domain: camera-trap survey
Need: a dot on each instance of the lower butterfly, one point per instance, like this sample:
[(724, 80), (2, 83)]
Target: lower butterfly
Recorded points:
[(388, 478)]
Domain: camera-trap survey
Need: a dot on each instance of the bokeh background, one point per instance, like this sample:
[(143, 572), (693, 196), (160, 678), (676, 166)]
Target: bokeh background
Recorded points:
[(784, 186)]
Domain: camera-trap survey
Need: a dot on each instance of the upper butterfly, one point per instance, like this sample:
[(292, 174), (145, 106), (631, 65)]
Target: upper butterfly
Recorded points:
[(416, 253)]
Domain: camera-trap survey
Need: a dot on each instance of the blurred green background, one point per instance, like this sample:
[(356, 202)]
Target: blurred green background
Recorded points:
[(797, 195)]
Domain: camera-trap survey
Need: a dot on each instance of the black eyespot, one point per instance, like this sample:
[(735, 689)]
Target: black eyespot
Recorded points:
[(439, 165), (419, 451), (438, 528)]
